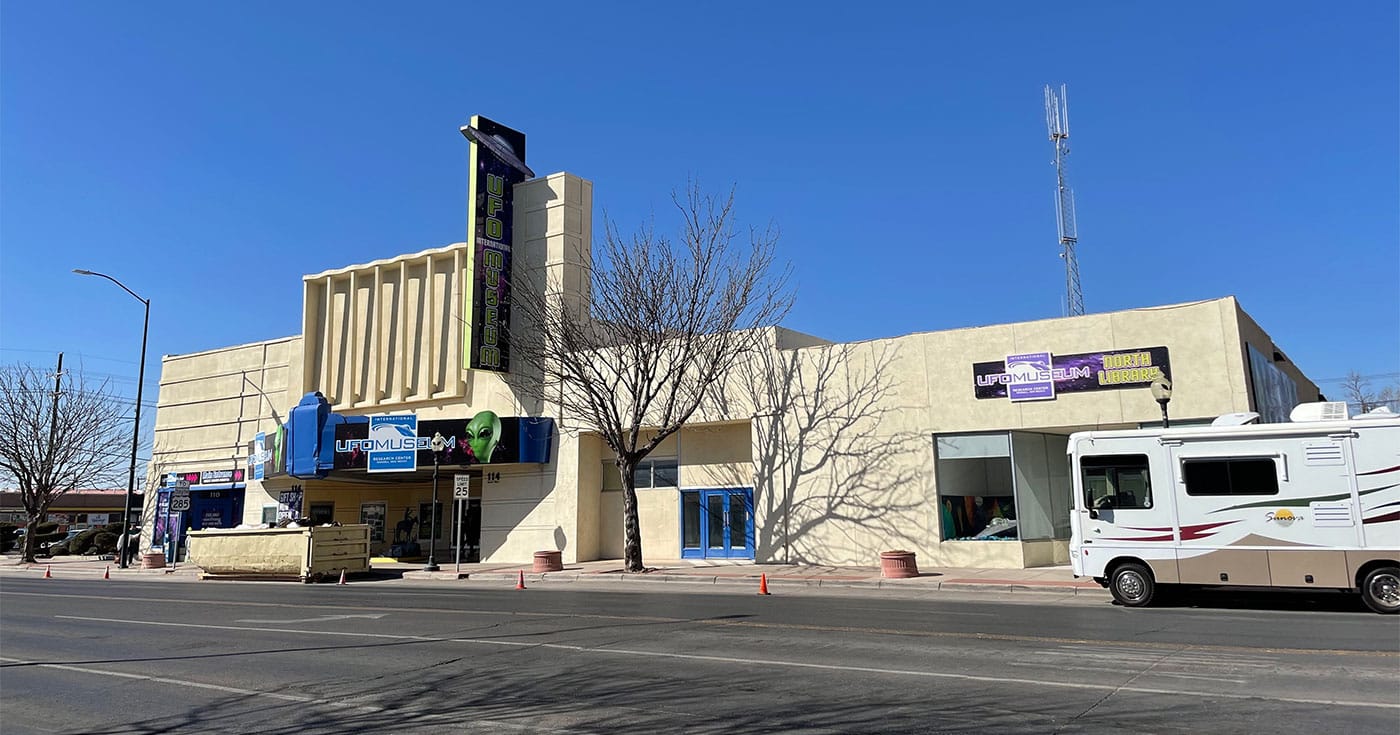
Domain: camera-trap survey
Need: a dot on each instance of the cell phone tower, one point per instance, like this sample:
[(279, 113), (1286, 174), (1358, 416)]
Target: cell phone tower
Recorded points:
[(1057, 121)]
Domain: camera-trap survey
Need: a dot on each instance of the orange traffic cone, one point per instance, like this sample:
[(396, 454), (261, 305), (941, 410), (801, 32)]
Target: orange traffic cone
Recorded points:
[(521, 584), (342, 576), (763, 584), (107, 573), (48, 572)]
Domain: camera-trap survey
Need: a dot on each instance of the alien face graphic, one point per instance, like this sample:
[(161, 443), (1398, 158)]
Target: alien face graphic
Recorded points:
[(483, 432)]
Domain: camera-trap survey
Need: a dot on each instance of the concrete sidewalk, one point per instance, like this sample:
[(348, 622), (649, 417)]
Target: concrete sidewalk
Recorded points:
[(1058, 580), (1053, 580)]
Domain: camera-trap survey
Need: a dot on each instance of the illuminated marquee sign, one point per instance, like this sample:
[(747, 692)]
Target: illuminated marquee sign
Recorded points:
[(497, 165), (1040, 376)]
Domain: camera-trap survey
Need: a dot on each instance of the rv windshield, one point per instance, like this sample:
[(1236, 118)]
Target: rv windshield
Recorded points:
[(1116, 481)]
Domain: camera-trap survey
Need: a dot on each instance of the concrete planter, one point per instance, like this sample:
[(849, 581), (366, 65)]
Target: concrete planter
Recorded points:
[(549, 561), (898, 565), (153, 560)]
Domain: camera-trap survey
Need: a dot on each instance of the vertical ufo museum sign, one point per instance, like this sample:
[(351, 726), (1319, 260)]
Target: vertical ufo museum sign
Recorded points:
[(497, 165)]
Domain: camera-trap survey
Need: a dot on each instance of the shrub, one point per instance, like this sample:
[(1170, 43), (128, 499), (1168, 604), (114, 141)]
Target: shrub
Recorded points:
[(105, 542), (46, 533), (9, 533), (58, 550), (83, 541)]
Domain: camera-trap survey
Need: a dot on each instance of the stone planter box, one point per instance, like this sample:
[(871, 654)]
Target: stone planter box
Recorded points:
[(898, 565), (153, 560), (549, 561)]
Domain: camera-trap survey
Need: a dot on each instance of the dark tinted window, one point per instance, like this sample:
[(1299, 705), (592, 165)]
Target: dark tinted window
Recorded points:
[(1116, 481), (1233, 476)]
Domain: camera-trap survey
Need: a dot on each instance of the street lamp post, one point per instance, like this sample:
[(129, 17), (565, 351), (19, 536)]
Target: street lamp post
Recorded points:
[(439, 444), (1162, 392), (136, 420)]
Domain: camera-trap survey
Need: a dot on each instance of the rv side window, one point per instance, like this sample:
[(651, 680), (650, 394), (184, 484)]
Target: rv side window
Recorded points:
[(1116, 481), (1230, 476)]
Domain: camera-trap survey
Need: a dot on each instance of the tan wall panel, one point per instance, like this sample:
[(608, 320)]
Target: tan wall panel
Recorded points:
[(988, 554), (610, 530), (659, 514), (588, 521), (716, 456), (1290, 568), (1248, 567)]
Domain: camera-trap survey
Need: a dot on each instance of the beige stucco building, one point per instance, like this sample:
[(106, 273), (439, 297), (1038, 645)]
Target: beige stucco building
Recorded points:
[(950, 444)]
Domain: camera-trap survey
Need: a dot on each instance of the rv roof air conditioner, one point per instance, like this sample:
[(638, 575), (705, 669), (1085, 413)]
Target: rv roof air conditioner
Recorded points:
[(1321, 411), (1236, 419), (1381, 412)]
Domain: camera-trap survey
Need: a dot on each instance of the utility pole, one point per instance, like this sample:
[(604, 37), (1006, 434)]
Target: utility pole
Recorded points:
[(53, 421)]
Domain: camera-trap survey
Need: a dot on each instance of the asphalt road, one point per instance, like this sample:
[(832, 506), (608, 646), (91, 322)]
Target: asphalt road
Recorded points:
[(153, 657)]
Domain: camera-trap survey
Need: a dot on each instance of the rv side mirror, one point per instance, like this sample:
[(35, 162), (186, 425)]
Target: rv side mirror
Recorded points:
[(1093, 514)]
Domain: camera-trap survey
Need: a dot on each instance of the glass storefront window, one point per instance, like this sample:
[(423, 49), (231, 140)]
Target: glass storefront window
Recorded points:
[(1003, 486), (427, 518), (653, 473), (976, 495), (1043, 490), (690, 520)]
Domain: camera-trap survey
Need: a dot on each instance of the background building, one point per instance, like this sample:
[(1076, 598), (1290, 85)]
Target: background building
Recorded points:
[(950, 444)]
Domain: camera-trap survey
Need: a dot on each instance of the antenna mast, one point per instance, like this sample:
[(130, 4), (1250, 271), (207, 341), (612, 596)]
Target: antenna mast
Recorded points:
[(1057, 121)]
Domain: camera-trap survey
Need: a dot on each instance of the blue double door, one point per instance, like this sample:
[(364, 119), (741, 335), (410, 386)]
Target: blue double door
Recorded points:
[(717, 524)]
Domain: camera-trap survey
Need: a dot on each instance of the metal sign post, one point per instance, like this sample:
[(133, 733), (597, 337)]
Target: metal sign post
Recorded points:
[(461, 490)]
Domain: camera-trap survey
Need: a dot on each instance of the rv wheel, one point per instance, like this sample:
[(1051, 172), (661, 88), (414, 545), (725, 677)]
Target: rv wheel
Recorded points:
[(1381, 590), (1131, 585)]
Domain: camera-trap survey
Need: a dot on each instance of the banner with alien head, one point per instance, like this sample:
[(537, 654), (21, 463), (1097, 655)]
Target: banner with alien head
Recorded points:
[(497, 165), (483, 438)]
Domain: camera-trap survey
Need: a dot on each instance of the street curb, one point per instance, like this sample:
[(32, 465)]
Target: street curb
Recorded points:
[(1053, 588), (919, 585)]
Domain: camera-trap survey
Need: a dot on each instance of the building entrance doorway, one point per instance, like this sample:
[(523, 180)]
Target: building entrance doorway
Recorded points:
[(717, 524), (466, 520)]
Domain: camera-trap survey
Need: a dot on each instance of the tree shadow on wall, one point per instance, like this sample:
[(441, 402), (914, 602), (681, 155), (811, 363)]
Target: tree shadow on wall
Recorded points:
[(837, 480)]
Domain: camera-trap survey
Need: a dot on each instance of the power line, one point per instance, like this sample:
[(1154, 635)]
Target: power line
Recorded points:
[(1377, 376)]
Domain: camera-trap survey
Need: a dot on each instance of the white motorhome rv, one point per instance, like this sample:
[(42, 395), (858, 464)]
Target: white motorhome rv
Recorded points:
[(1313, 503)]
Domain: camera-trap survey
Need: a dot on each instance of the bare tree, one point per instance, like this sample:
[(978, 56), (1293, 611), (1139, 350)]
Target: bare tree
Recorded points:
[(56, 437), (1356, 388), (661, 325)]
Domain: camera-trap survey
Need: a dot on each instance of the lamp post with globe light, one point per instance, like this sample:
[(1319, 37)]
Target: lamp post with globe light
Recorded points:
[(1162, 392), (136, 420), (439, 444)]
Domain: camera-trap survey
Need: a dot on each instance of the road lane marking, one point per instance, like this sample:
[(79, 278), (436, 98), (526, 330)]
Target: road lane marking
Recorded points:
[(1009, 637), (338, 704), (182, 682), (751, 662), (321, 619)]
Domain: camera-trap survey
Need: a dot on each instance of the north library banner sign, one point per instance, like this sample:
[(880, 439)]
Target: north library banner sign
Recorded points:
[(1040, 376)]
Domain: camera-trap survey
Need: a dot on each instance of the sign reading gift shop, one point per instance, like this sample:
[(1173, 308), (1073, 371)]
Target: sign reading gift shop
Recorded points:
[(497, 165), (485, 438), (1040, 376)]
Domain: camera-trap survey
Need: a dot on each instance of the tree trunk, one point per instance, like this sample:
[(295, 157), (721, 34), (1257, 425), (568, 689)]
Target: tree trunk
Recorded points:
[(631, 528), (29, 542)]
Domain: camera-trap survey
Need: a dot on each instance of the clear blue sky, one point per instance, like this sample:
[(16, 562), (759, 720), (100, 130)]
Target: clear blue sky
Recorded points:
[(210, 154)]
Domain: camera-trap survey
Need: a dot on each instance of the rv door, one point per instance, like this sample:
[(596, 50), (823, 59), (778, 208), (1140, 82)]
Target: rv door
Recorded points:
[(1126, 509)]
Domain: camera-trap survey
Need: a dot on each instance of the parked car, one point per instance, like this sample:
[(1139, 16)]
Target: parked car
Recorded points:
[(45, 549)]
